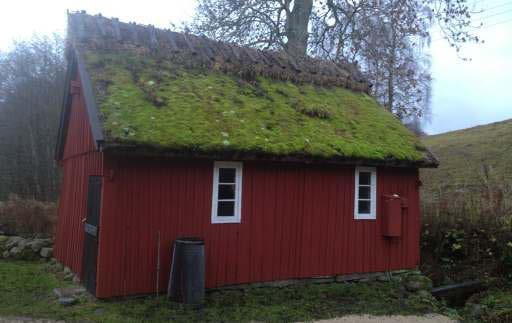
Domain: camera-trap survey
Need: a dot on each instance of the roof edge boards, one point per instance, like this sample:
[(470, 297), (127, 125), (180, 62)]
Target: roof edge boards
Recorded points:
[(76, 63), (146, 151), (65, 109), (90, 101)]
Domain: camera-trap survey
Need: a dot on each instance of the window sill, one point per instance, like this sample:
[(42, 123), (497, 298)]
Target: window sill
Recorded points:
[(222, 221), (365, 217)]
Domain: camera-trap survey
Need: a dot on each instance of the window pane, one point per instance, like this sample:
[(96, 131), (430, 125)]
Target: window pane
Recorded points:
[(227, 175), (364, 207), (225, 208), (226, 192), (365, 178), (364, 192)]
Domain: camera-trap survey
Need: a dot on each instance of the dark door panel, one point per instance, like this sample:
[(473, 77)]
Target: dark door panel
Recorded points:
[(91, 230)]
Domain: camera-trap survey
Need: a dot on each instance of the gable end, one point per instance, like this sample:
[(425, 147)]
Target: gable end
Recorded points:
[(76, 65)]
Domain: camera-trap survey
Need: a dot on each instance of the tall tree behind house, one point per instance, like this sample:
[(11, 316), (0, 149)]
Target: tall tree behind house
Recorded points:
[(385, 38), (31, 83)]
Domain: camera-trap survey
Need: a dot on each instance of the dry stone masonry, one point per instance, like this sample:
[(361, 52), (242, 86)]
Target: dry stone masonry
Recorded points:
[(26, 248)]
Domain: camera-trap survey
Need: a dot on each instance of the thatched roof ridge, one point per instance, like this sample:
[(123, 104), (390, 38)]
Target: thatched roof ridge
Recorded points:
[(100, 33)]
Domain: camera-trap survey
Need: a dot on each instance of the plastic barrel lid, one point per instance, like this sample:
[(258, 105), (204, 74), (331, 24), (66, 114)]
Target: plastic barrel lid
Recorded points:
[(190, 240)]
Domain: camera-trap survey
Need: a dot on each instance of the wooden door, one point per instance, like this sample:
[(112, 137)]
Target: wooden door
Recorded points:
[(91, 227)]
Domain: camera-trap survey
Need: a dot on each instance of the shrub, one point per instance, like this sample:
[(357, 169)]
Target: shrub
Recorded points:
[(457, 248), (506, 261), (467, 229), (493, 306), (27, 217)]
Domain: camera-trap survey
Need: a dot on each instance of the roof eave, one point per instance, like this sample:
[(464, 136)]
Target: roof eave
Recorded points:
[(430, 160), (131, 150)]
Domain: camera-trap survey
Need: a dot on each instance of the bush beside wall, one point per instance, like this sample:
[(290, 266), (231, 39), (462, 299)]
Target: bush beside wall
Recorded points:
[(27, 217), (457, 248)]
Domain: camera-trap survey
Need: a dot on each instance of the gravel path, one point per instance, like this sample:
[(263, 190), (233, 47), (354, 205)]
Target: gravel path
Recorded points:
[(345, 319), (432, 318), (26, 320)]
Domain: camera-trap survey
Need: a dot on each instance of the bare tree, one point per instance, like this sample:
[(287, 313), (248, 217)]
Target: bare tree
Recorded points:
[(388, 42), (31, 87), (385, 38), (266, 24)]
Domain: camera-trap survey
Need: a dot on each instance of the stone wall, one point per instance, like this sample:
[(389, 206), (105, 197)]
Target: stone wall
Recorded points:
[(19, 248)]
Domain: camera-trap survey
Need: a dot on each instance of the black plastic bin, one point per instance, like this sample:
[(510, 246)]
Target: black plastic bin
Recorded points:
[(186, 284)]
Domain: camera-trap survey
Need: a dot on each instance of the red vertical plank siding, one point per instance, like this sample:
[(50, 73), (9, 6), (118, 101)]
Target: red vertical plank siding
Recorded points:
[(297, 222), (80, 160)]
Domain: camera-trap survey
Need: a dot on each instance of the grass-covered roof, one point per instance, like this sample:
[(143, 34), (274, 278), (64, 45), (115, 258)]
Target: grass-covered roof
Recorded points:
[(174, 101)]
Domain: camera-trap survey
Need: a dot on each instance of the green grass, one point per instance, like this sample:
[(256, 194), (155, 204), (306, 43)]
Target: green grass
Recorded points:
[(157, 103), (464, 153), (26, 290)]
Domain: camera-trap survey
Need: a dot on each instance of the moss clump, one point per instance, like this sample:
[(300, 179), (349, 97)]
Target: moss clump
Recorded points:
[(318, 111), (156, 103)]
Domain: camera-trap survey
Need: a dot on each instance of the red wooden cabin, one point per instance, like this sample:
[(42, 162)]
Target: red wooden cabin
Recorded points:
[(286, 168)]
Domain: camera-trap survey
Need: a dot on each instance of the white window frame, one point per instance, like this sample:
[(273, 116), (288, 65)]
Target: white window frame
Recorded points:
[(237, 218), (373, 194)]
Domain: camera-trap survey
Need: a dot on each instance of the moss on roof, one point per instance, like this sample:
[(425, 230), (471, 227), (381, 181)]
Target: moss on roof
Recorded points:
[(153, 102)]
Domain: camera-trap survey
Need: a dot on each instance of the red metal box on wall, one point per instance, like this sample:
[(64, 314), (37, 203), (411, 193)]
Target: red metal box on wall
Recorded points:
[(392, 216)]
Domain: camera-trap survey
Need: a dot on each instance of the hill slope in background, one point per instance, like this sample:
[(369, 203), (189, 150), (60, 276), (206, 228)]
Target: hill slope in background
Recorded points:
[(467, 155)]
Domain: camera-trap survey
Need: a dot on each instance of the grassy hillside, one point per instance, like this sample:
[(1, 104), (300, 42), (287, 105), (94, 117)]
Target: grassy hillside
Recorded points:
[(466, 155)]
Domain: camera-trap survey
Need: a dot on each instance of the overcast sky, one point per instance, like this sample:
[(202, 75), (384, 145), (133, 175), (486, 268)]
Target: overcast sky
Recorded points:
[(465, 93)]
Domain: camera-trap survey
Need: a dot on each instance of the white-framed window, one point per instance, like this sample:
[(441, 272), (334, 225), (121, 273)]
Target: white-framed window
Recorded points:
[(365, 207), (227, 192)]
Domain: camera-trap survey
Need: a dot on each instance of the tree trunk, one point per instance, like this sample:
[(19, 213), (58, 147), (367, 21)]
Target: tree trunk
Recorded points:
[(391, 80), (391, 67), (297, 28)]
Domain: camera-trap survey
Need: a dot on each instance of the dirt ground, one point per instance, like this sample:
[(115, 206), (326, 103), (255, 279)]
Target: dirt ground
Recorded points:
[(433, 318)]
